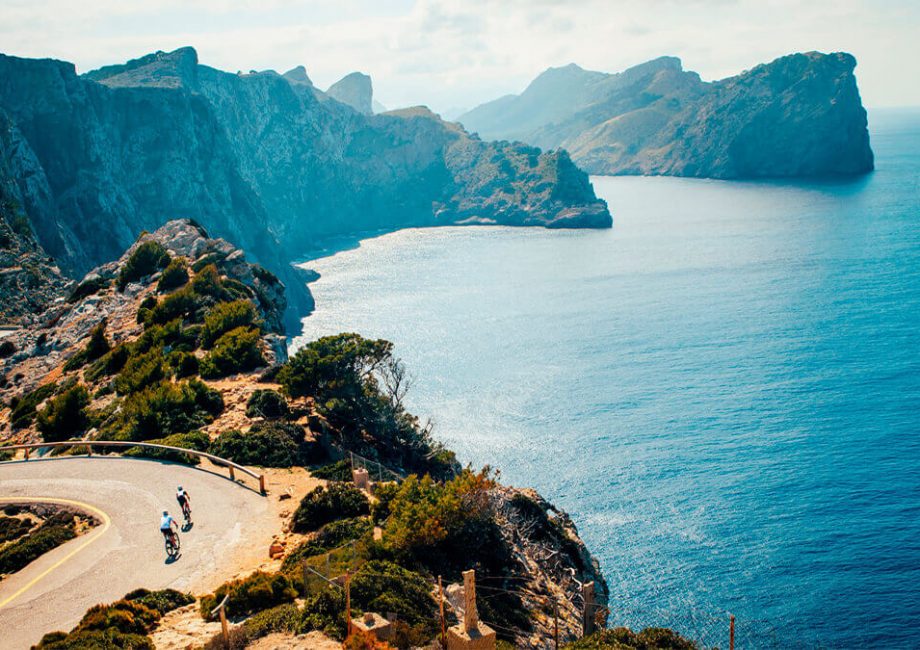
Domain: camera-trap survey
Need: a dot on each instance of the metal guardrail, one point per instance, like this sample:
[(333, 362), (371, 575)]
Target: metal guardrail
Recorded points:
[(89, 444)]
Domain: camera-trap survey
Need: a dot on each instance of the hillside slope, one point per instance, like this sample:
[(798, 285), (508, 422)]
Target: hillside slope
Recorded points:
[(266, 161), (800, 115)]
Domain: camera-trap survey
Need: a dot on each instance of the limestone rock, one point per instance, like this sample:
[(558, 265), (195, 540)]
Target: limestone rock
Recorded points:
[(800, 115), (354, 90)]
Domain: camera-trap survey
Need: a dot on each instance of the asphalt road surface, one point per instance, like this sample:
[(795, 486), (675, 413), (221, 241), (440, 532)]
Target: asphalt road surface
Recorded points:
[(230, 522)]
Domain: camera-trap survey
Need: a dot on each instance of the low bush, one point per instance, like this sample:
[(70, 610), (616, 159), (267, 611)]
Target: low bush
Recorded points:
[(325, 612), (183, 364), (252, 594), (109, 364), (164, 409), (383, 586), (22, 409), (7, 349), (163, 600), (94, 640), (337, 471), (327, 504), (146, 259), (621, 638), (385, 493), (65, 415), (175, 275), (13, 528), (227, 316), (329, 537), (282, 618), (20, 553), (141, 371), (266, 403), (197, 440), (238, 350), (97, 346), (266, 444), (89, 287)]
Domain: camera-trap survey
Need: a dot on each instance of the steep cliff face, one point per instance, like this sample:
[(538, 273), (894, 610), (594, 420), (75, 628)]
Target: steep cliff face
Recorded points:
[(800, 115), (265, 161)]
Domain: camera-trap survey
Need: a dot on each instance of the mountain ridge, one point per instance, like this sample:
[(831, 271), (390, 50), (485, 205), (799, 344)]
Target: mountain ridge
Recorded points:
[(265, 161), (797, 116)]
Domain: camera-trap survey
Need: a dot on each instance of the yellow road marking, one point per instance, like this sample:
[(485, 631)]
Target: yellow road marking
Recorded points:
[(90, 538)]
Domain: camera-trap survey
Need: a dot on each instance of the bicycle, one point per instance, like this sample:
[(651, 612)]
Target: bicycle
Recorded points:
[(187, 512), (172, 544)]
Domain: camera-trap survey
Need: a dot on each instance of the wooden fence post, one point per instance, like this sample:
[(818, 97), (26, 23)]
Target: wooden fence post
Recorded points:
[(348, 604), (731, 632), (262, 483), (224, 626), (232, 476), (441, 603), (556, 624), (587, 623)]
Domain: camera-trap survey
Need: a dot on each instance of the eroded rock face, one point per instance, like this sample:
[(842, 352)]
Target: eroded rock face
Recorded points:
[(800, 115), (266, 161)]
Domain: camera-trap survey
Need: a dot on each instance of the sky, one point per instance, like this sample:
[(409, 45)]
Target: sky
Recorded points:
[(455, 54)]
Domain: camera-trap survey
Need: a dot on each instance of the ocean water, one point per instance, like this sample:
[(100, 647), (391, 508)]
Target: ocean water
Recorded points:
[(723, 390)]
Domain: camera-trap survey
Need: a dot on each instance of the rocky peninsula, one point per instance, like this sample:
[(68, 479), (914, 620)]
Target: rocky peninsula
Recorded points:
[(798, 116)]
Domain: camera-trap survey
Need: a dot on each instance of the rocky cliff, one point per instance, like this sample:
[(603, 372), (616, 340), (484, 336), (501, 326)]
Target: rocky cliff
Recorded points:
[(355, 90), (800, 115), (264, 160)]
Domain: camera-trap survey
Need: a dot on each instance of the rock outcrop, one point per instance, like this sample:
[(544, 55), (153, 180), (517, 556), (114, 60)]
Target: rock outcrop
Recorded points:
[(263, 160), (354, 90), (799, 116)]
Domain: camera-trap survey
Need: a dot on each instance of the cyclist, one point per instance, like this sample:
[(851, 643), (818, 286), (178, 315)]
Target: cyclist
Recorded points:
[(167, 526), (185, 502)]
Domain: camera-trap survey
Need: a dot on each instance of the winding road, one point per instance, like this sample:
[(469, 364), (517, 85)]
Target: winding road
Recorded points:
[(232, 525)]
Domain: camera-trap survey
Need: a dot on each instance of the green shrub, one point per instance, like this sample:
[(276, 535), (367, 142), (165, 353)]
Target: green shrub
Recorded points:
[(13, 528), (146, 259), (252, 594), (183, 364), (236, 351), (325, 612), (165, 409), (326, 504), (227, 316), (267, 403), (163, 600), (17, 555), (181, 304), (333, 366), (621, 638), (266, 444), (197, 440), (282, 618), (207, 282), (141, 371), (329, 537), (385, 493), (96, 347), (7, 349), (88, 287), (65, 415), (382, 586), (94, 640), (337, 471), (175, 275), (22, 409), (125, 616), (109, 363)]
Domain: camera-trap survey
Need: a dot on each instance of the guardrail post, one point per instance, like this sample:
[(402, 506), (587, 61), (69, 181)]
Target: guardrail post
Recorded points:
[(27, 453), (224, 626), (262, 483), (232, 476)]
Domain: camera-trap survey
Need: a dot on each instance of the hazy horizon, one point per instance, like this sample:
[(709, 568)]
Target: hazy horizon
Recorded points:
[(452, 55)]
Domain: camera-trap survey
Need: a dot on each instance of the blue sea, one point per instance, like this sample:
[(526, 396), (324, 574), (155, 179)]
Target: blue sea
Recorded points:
[(723, 390)]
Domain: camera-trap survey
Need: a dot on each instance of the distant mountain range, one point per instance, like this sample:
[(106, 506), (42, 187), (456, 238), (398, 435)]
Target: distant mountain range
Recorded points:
[(264, 160), (800, 115)]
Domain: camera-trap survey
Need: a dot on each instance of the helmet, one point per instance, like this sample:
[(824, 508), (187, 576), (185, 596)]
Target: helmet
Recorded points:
[(166, 513), (179, 489)]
